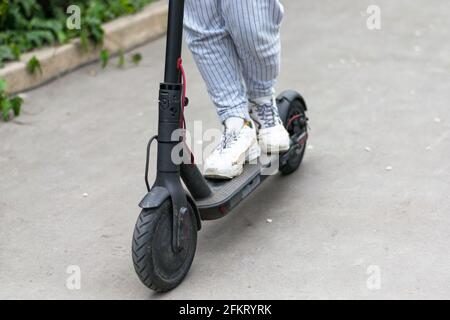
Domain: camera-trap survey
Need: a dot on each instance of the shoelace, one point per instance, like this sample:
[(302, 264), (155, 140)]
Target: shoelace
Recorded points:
[(227, 140), (267, 114)]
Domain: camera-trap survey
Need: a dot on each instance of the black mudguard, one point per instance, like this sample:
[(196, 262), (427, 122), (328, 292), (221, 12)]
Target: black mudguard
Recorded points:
[(158, 195), (285, 99)]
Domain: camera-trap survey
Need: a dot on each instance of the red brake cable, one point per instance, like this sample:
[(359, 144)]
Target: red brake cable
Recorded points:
[(183, 104), (183, 94)]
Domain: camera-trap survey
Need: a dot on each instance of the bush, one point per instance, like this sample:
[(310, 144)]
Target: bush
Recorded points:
[(30, 24)]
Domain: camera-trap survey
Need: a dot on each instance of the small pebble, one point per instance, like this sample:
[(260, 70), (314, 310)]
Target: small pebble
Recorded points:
[(437, 120), (417, 49), (85, 194), (417, 33), (388, 168), (310, 147), (269, 220), (368, 149), (428, 148)]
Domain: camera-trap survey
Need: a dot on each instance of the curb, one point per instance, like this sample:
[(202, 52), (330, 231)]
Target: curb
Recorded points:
[(121, 34)]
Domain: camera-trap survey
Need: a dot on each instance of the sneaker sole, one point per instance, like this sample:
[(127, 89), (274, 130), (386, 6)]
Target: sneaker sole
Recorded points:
[(274, 149), (250, 156)]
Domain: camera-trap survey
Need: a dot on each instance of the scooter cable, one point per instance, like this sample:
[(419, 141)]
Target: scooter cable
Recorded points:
[(183, 105)]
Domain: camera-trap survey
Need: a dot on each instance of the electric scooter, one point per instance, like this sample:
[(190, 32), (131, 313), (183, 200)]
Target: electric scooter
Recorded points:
[(165, 235)]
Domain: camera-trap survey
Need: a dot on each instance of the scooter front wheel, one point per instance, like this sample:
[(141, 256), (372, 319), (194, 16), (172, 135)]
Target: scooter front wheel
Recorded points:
[(157, 265)]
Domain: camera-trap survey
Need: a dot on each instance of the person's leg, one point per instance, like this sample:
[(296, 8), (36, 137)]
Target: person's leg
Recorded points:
[(216, 57), (254, 26)]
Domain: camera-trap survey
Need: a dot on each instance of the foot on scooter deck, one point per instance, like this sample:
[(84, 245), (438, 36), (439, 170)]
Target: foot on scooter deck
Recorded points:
[(226, 194)]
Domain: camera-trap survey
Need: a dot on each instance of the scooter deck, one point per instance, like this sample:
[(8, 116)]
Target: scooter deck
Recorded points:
[(226, 194)]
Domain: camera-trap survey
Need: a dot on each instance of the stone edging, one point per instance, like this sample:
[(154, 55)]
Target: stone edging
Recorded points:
[(121, 34)]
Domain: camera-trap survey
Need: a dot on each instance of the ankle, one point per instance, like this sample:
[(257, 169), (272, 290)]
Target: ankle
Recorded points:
[(262, 100), (234, 123)]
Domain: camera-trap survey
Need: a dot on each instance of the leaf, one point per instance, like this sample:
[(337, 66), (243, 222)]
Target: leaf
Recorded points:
[(50, 25), (28, 6), (16, 104), (34, 65), (6, 106), (104, 58), (97, 34), (40, 37), (3, 8), (121, 62), (6, 53), (15, 51), (84, 40), (62, 37), (136, 58), (3, 86), (93, 29)]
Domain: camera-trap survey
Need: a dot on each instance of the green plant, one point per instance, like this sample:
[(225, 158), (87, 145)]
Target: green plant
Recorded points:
[(30, 24), (34, 65), (104, 58), (7, 104), (136, 58), (121, 62)]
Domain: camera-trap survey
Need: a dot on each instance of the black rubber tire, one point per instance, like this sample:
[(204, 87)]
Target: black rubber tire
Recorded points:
[(300, 125), (156, 264)]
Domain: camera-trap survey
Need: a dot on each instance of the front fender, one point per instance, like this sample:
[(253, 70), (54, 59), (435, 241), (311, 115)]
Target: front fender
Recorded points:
[(154, 198), (158, 195)]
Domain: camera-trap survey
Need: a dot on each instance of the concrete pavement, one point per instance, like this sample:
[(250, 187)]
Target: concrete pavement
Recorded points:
[(371, 199)]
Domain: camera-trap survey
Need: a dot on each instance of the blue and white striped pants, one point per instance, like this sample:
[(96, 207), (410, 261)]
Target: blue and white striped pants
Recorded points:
[(236, 46)]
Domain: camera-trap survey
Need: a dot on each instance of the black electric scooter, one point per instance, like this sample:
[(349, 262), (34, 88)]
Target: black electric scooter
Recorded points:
[(165, 235)]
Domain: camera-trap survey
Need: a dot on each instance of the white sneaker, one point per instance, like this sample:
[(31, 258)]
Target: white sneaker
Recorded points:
[(236, 146), (272, 135)]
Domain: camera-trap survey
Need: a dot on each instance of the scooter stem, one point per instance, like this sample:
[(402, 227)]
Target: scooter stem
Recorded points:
[(174, 41), (169, 115), (170, 107)]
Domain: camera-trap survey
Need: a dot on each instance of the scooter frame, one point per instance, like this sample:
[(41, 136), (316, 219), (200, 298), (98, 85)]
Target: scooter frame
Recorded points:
[(168, 183)]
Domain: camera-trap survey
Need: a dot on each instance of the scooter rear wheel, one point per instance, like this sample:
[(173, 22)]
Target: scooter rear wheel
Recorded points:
[(157, 265), (296, 124)]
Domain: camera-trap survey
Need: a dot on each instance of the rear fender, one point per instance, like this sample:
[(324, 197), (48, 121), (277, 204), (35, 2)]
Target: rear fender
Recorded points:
[(285, 99)]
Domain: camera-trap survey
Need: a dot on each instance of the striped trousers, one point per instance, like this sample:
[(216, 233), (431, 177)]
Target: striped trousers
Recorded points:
[(236, 46)]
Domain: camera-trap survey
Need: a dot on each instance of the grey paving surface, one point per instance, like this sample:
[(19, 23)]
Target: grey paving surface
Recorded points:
[(340, 214)]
